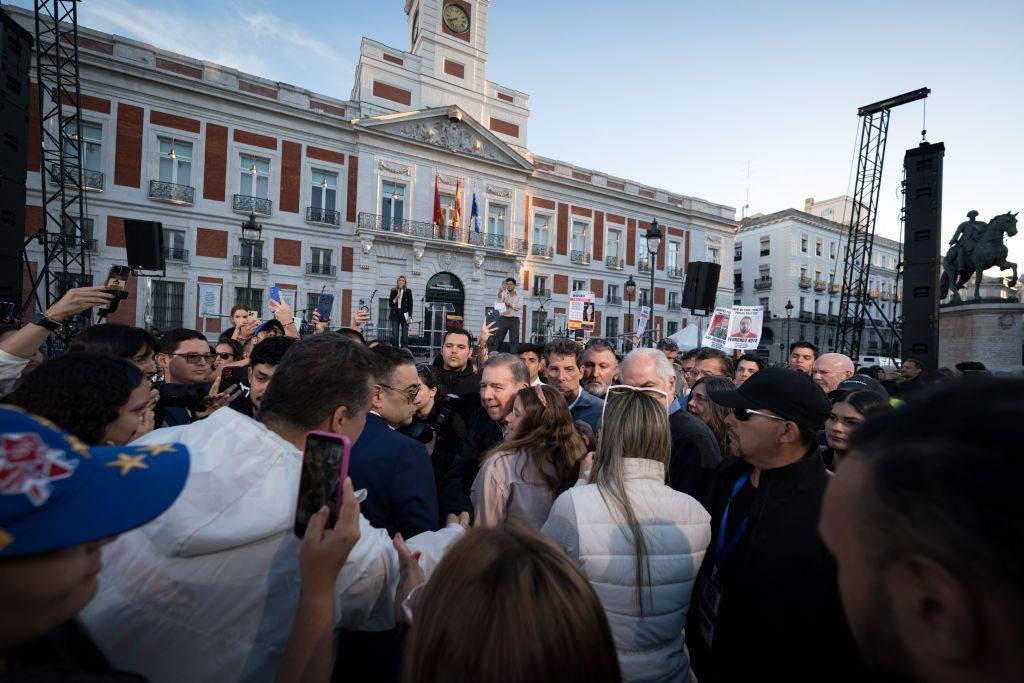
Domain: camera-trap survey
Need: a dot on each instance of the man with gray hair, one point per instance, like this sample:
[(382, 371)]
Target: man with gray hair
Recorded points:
[(600, 367), (695, 453), (830, 369)]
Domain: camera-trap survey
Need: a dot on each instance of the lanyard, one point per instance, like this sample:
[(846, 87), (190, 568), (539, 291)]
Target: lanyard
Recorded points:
[(723, 549)]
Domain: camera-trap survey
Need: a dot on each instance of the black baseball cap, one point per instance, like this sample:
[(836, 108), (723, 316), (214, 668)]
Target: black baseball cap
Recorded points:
[(787, 393), (858, 383)]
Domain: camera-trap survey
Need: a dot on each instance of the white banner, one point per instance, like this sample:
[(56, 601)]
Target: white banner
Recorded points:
[(209, 300), (735, 328)]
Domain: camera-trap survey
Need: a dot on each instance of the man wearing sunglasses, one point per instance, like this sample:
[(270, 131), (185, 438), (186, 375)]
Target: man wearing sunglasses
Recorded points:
[(184, 358), (766, 604)]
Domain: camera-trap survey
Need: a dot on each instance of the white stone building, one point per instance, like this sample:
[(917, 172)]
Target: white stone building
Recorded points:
[(796, 257), (344, 188)]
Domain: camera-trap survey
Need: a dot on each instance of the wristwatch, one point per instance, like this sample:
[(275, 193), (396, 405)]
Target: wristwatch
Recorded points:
[(46, 321)]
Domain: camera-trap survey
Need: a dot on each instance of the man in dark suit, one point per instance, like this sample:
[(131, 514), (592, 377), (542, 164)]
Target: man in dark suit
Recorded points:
[(394, 469), (564, 359), (400, 305)]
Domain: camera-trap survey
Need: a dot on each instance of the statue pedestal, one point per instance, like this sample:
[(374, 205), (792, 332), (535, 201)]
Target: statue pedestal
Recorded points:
[(987, 330)]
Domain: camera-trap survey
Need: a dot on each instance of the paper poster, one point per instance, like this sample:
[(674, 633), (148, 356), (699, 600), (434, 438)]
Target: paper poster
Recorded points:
[(641, 323), (209, 300), (735, 328), (581, 311)]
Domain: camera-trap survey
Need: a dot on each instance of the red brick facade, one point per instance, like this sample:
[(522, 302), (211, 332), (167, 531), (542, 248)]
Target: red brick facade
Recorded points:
[(128, 150), (291, 176), (287, 252), (211, 243), (215, 173)]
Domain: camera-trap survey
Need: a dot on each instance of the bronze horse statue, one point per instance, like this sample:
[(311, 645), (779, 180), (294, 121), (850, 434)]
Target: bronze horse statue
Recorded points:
[(978, 255)]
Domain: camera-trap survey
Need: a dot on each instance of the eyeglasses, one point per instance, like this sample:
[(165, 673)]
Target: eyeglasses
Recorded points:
[(743, 414), (195, 358), (225, 355), (410, 394)]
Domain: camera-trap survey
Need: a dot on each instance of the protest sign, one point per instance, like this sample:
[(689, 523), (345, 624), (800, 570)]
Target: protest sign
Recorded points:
[(641, 323), (581, 311), (735, 328)]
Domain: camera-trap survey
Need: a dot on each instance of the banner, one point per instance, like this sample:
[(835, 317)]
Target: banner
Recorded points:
[(209, 300), (735, 328), (641, 323), (581, 311)]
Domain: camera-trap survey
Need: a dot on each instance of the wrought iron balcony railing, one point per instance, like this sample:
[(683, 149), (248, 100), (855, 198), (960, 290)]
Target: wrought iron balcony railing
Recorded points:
[(763, 283), (614, 299), (805, 316), (324, 269), (820, 318), (577, 256), (258, 263), (401, 226), (873, 294), (541, 293), (73, 242), (674, 306), (819, 285), (674, 271), (805, 282), (613, 262), (886, 296), (91, 180), (170, 192), (833, 288), (643, 266), (314, 214), (176, 255), (243, 203), (542, 250)]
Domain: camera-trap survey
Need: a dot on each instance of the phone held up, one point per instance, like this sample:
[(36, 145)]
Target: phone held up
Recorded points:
[(324, 305), (324, 468), (117, 278), (275, 294), (230, 376)]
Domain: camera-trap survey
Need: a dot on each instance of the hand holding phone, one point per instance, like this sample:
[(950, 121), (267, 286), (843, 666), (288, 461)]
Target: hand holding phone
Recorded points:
[(275, 294), (232, 375), (324, 305), (324, 468)]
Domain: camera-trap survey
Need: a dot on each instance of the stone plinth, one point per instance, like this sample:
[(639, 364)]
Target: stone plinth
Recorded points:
[(988, 331)]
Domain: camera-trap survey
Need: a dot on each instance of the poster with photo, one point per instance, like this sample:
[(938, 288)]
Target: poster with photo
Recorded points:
[(641, 323), (745, 328), (209, 300), (581, 311), (717, 333)]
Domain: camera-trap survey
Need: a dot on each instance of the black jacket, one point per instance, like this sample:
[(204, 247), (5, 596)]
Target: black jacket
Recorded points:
[(695, 454), (463, 383), (481, 433), (447, 437), (780, 617), (399, 310)]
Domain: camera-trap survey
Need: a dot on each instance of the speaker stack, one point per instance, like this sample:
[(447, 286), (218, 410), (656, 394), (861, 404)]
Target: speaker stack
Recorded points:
[(144, 243), (15, 59), (922, 256), (701, 288)]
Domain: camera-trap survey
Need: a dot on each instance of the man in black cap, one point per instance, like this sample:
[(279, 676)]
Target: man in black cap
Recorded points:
[(765, 605)]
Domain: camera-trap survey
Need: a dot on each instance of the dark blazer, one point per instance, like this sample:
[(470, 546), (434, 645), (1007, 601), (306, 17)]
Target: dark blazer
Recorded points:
[(404, 306), (588, 408), (399, 480), (695, 454), (481, 433)]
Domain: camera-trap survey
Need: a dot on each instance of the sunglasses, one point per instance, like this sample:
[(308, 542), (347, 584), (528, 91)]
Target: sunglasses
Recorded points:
[(743, 414), (410, 395), (195, 358), (225, 355)]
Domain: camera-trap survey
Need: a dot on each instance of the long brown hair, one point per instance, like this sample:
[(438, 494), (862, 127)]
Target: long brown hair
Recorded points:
[(547, 435), (717, 413), (506, 605), (635, 425)]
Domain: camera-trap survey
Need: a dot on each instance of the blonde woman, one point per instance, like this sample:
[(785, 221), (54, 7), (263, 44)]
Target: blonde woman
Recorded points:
[(638, 541)]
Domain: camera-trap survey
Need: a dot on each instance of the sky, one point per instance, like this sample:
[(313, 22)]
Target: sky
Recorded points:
[(684, 95)]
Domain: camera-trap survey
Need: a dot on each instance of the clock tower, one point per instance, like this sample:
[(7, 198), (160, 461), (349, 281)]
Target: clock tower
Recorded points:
[(450, 37)]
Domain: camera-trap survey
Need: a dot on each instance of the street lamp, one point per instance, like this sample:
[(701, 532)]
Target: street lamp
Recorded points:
[(789, 312), (251, 233), (653, 242), (630, 291)]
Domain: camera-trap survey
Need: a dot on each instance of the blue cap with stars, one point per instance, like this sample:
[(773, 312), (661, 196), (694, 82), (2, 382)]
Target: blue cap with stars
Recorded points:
[(57, 492)]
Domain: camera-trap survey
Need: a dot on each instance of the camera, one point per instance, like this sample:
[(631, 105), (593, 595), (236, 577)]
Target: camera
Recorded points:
[(424, 431), (182, 395)]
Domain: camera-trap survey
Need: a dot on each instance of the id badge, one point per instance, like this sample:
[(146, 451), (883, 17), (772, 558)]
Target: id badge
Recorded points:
[(709, 598)]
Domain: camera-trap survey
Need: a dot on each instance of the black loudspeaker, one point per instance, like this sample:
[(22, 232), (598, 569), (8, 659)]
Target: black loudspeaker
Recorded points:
[(144, 241), (15, 58), (701, 287), (922, 257)]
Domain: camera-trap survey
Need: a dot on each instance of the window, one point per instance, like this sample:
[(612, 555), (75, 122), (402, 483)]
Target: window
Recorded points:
[(496, 217), (392, 202), (766, 246), (539, 324), (540, 284), (738, 252), (541, 224), (831, 249), (579, 285), (612, 293), (817, 306), (817, 247), (174, 244), (383, 314), (737, 279), (175, 162), (803, 244), (87, 232), (252, 299), (803, 305), (579, 236), (763, 303), (323, 190), (321, 260), (642, 257), (254, 184), (803, 272), (168, 304), (830, 303), (672, 328), (312, 298), (673, 299), (832, 277), (826, 212), (614, 249), (643, 297), (447, 208), (817, 275), (674, 256), (611, 328), (713, 254), (92, 145), (250, 253), (737, 302)]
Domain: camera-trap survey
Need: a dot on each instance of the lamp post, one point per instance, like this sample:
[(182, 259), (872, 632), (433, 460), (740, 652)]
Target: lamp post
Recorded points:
[(251, 233), (630, 291), (789, 312), (653, 242)]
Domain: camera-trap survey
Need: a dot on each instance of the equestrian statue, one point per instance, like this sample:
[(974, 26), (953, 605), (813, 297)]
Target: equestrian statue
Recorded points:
[(976, 246)]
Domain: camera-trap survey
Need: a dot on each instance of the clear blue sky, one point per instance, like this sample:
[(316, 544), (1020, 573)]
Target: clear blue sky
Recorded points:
[(681, 94)]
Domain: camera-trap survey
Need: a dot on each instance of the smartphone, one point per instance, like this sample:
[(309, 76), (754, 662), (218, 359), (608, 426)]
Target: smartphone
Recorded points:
[(493, 317), (324, 305), (275, 294), (117, 278), (232, 375), (324, 468), (251, 316)]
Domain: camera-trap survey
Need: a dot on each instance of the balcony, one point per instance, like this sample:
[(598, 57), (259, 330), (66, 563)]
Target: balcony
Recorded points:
[(805, 317), (581, 257), (820, 318), (674, 271), (737, 285), (159, 191), (257, 262), (87, 244), (763, 283), (805, 282), (833, 288), (819, 285), (614, 299), (91, 180), (445, 233), (314, 214), (643, 266), (176, 255), (322, 269), (613, 262), (542, 293), (542, 250), (886, 296), (674, 306), (873, 294), (243, 203)]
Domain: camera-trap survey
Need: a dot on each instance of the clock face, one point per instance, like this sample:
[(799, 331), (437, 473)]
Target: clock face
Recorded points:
[(456, 18)]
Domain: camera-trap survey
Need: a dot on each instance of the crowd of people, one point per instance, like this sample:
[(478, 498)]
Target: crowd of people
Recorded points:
[(552, 513)]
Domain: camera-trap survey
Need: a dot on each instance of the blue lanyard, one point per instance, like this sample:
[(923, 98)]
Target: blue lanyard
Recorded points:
[(723, 549)]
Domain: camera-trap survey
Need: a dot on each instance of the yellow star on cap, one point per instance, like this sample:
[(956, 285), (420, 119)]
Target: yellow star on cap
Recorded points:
[(5, 539), (127, 463), (157, 449)]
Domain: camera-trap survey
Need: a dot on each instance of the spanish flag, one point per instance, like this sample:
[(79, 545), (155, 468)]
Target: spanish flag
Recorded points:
[(457, 210)]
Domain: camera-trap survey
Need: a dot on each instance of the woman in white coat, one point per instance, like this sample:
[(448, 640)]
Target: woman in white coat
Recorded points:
[(639, 542)]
